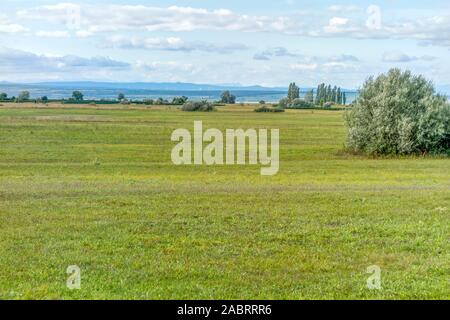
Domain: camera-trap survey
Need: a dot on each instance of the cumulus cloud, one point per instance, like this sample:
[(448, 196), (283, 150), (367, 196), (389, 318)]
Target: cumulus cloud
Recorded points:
[(274, 52), (304, 66), (396, 56), (6, 26), (344, 8), (90, 19), (52, 34), (100, 18), (171, 44), (17, 61), (336, 63)]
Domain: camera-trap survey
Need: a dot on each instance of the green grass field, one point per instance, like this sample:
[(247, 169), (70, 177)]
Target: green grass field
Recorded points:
[(95, 187)]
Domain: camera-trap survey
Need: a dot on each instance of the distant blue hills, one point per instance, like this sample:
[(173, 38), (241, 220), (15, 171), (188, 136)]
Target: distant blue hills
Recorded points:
[(169, 86)]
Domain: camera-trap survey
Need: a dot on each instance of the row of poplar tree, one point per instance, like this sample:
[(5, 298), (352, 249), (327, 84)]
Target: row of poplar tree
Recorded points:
[(323, 94)]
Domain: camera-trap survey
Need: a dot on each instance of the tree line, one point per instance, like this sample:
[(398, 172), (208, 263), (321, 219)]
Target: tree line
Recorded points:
[(78, 97), (323, 96)]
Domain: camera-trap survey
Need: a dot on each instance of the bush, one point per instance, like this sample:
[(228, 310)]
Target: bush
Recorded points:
[(267, 109), (198, 106), (398, 113), (300, 104), (284, 103)]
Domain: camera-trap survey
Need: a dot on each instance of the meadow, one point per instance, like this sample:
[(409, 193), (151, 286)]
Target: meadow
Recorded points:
[(95, 187)]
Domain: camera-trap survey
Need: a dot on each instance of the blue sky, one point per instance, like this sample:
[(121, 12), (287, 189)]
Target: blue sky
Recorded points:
[(223, 42)]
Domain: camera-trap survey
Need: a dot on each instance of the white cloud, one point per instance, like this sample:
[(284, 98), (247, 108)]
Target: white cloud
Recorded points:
[(89, 19), (171, 44), (344, 8), (336, 25), (396, 56), (102, 18), (274, 52), (53, 34), (18, 62), (7, 27), (83, 33), (304, 66)]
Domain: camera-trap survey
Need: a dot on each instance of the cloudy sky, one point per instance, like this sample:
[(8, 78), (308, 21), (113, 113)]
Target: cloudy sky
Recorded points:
[(264, 42)]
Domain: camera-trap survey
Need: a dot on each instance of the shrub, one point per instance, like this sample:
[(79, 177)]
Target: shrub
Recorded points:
[(198, 106), (300, 104), (398, 113), (284, 103), (267, 109)]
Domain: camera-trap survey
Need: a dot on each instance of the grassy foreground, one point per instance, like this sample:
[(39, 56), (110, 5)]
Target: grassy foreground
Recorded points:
[(95, 187)]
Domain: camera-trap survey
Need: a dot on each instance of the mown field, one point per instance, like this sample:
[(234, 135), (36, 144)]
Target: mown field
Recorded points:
[(95, 187)]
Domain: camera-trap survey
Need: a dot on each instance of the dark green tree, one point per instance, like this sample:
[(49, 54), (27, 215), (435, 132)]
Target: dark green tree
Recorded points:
[(227, 97), (77, 96)]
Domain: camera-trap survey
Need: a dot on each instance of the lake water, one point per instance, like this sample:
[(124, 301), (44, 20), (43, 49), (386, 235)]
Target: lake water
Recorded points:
[(140, 94)]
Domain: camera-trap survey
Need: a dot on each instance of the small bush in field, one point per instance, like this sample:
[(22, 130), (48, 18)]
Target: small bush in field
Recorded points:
[(203, 106), (398, 113)]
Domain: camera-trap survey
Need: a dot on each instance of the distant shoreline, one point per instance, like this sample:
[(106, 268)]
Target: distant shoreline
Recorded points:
[(243, 95)]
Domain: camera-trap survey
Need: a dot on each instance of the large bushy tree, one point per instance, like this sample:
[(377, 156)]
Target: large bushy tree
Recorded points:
[(398, 113), (77, 95), (227, 97), (23, 96)]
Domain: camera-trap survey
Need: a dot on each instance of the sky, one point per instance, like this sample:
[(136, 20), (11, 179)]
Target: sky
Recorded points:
[(251, 42)]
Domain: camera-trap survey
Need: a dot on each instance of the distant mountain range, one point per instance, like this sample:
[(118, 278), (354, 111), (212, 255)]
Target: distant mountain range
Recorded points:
[(169, 86)]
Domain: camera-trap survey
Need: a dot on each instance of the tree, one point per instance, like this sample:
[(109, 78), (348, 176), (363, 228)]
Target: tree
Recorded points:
[(180, 100), (344, 98), (3, 96), (398, 113), (23, 96), (309, 97), (121, 97), (44, 98), (77, 96), (339, 96), (293, 92), (329, 94), (227, 97), (334, 95)]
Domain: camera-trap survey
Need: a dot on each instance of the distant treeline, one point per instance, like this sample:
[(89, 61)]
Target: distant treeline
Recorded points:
[(78, 98)]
